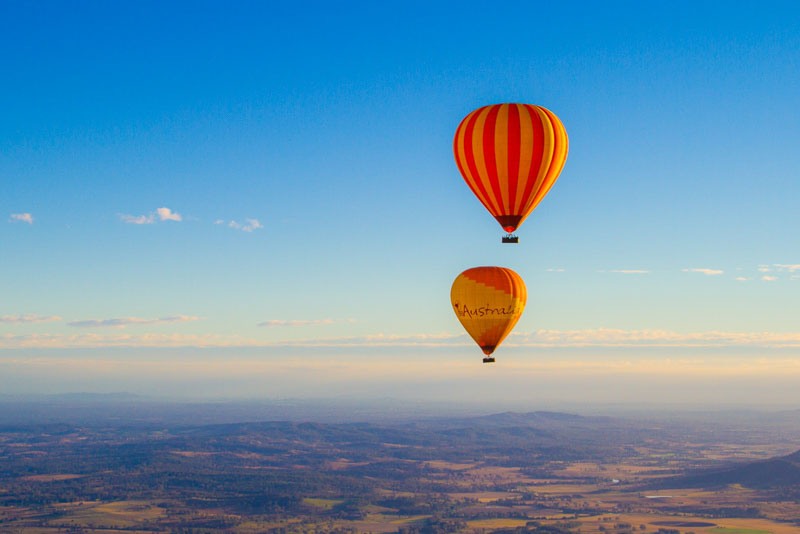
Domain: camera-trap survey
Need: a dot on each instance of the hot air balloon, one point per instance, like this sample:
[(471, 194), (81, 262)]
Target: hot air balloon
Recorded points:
[(510, 155), (488, 301)]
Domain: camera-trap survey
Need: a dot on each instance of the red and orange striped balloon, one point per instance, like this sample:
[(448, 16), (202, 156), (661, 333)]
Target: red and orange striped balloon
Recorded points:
[(510, 155)]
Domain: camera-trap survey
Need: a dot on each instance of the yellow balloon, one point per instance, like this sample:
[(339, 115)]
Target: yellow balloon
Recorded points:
[(488, 301)]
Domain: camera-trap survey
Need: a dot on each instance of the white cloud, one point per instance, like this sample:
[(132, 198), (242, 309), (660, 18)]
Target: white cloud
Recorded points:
[(742, 279), (166, 214), (768, 278), (630, 271), (303, 322), (137, 219), (219, 221), (29, 318), (248, 226), (21, 217), (163, 214), (122, 322), (787, 267), (707, 272), (8, 341), (555, 270), (763, 268)]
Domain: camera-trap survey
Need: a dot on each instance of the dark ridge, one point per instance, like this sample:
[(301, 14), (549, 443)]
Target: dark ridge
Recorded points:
[(780, 472)]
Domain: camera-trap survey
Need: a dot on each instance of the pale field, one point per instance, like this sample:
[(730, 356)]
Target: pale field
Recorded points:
[(484, 496), (503, 475), (729, 530), (592, 524), (323, 504), (76, 504), (338, 465), (619, 472), (51, 478), (499, 522), (243, 455), (258, 527), (393, 493), (786, 511), (448, 466), (378, 522), (120, 514), (193, 454), (733, 495), (557, 489)]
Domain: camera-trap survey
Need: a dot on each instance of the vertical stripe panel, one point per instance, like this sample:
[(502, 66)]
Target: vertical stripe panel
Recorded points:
[(541, 151), (526, 132), (479, 158), (557, 161), (459, 149), (512, 166), (546, 159), (500, 148), (490, 158), (471, 159)]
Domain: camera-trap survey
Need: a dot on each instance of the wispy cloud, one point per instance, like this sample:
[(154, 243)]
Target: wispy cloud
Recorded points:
[(597, 337), (307, 322), (138, 219), (21, 217), (742, 279), (162, 214), (707, 272), (122, 322), (555, 270), (28, 318), (792, 269), (248, 226), (60, 341), (577, 339), (630, 271), (652, 338)]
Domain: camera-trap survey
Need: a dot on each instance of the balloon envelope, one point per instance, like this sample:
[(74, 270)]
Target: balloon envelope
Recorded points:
[(488, 301), (510, 155)]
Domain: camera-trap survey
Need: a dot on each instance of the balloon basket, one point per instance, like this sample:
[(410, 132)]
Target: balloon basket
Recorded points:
[(510, 238), (488, 359)]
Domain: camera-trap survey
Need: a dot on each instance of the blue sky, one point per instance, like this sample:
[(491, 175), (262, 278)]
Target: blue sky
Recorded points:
[(326, 131)]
